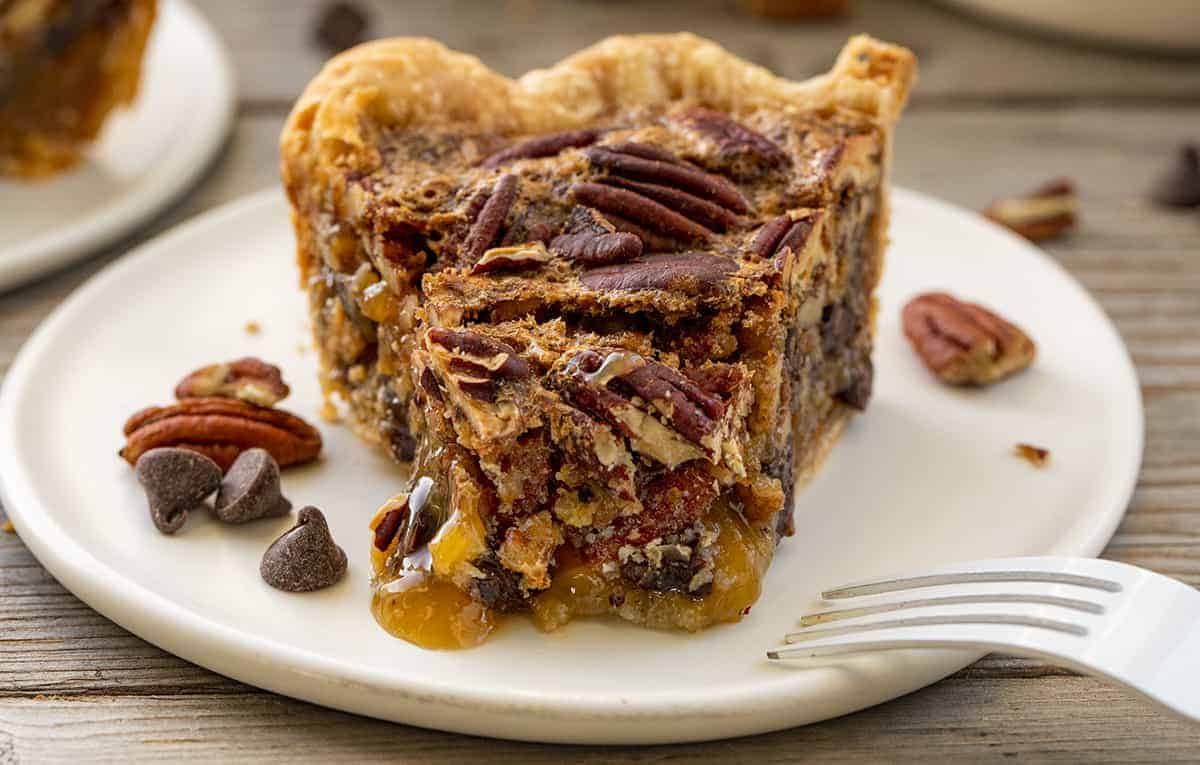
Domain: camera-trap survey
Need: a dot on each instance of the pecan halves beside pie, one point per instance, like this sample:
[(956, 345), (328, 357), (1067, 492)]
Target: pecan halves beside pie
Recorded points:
[(591, 240), (486, 226), (221, 429), (734, 140), (249, 379), (964, 343), (543, 146), (1044, 213)]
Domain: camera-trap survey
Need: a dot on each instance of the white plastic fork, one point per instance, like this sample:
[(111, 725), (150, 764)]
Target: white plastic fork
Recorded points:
[(1112, 620)]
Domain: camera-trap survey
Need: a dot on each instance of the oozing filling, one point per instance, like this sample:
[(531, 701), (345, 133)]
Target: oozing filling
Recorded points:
[(609, 350)]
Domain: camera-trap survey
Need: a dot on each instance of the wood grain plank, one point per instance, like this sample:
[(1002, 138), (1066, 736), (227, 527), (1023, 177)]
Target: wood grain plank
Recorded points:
[(976, 719), (961, 59)]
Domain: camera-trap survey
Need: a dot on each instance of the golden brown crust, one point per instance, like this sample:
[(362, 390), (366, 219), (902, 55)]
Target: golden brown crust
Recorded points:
[(409, 81)]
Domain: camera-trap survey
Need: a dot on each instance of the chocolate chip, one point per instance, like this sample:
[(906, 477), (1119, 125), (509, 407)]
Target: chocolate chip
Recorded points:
[(1180, 185), (688, 272), (305, 557), (341, 26), (250, 490), (176, 481)]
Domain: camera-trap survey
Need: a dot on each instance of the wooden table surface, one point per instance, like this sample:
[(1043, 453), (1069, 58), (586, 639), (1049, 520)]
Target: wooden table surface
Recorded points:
[(995, 112)]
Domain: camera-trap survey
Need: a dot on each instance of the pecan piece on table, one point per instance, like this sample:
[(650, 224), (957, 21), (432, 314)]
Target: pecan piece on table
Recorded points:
[(518, 257), (591, 240), (543, 146), (489, 220), (964, 343), (664, 414), (692, 273), (249, 379), (221, 429), (1044, 213), (733, 139)]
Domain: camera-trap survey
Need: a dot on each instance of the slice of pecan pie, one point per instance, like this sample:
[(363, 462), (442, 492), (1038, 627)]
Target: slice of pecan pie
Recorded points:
[(64, 65), (615, 310)]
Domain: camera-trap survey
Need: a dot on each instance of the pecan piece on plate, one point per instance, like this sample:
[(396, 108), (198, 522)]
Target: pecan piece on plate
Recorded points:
[(964, 343), (664, 414), (221, 429), (249, 379), (489, 220), (519, 257), (1044, 213), (692, 273), (1037, 456), (543, 146), (733, 139), (591, 240)]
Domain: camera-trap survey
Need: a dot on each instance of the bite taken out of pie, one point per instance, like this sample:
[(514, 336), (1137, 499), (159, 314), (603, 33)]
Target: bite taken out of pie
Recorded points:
[(613, 311)]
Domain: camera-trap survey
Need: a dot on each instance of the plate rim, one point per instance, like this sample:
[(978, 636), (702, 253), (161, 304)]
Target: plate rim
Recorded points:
[(163, 184), (278, 667)]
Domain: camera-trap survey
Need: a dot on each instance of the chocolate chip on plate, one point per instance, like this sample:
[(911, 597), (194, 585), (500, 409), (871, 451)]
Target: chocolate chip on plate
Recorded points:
[(176, 481), (250, 490), (341, 26), (305, 557), (1180, 185)]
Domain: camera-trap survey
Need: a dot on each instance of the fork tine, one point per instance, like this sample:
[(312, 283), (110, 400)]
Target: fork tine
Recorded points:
[(1074, 604), (879, 586), (1016, 620)]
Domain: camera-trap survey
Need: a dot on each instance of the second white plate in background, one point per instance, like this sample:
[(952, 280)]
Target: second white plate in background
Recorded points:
[(144, 158)]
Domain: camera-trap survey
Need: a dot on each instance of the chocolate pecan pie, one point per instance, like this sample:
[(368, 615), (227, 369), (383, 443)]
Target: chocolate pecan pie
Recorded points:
[(64, 65), (615, 310)]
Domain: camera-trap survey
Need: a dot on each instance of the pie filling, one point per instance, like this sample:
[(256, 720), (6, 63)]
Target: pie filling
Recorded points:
[(610, 352), (64, 64)]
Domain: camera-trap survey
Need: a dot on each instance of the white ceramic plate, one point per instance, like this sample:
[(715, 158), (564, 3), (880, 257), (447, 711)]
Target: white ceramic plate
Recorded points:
[(1171, 26), (144, 158), (924, 477)]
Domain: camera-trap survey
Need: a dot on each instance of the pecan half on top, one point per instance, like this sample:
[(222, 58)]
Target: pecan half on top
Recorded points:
[(543, 146), (964, 343), (591, 240), (249, 379), (221, 429), (489, 215), (477, 375), (1046, 212), (665, 415), (734, 141), (691, 273), (654, 190)]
